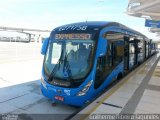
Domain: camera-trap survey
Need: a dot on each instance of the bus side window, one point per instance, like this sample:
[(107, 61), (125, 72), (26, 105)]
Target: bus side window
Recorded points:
[(99, 77), (114, 55), (109, 56), (109, 66), (118, 52)]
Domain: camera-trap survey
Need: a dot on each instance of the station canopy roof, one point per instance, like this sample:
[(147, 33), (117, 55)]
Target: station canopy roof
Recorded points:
[(149, 9), (144, 8)]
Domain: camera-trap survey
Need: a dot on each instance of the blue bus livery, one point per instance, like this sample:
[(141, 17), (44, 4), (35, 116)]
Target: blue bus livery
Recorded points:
[(82, 59)]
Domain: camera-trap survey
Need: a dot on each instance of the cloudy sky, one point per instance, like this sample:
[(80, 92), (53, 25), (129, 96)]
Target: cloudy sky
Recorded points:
[(47, 14)]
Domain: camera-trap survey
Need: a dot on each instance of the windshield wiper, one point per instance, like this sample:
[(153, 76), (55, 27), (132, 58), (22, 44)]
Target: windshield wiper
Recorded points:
[(56, 67), (66, 68)]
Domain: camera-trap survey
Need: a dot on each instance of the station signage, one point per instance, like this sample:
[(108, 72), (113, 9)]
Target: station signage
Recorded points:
[(152, 23)]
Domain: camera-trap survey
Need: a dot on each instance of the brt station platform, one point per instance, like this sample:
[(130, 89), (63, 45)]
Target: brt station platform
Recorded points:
[(137, 93)]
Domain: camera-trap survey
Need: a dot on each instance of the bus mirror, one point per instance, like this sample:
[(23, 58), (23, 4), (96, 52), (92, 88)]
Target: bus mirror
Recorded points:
[(44, 46), (101, 51)]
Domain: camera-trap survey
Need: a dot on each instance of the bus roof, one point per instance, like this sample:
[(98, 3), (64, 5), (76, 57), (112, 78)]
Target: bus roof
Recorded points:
[(92, 26)]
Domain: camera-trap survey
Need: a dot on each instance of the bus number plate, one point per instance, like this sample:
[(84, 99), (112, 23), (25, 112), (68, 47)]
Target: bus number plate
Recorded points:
[(59, 98)]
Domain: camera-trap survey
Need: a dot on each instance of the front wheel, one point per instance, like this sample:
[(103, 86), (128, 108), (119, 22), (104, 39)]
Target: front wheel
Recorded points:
[(119, 76)]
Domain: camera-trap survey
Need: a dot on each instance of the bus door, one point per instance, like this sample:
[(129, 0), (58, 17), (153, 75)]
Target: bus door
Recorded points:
[(131, 53), (140, 51), (150, 47), (145, 49), (126, 54), (137, 51)]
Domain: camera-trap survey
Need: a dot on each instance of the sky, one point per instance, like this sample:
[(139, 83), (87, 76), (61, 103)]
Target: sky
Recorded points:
[(48, 14)]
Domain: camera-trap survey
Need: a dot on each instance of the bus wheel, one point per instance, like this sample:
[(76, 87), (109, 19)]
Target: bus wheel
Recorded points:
[(119, 76)]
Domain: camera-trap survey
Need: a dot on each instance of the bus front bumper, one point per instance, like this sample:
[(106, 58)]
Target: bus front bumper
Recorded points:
[(65, 99)]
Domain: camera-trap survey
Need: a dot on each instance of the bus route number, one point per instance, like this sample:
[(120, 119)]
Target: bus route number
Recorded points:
[(73, 27)]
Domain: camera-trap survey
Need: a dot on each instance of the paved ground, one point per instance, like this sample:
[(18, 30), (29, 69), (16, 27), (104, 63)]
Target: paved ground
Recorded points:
[(20, 72), (10, 52)]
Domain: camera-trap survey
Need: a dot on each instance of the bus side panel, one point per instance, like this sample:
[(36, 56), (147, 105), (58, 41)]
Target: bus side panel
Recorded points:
[(113, 76)]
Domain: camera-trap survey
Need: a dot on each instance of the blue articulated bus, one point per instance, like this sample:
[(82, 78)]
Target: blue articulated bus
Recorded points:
[(82, 59)]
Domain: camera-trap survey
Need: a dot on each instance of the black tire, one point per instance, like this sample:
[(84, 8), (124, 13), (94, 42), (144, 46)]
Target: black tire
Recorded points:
[(119, 76)]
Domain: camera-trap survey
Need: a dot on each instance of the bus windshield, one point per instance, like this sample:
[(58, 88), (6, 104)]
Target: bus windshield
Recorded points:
[(69, 59)]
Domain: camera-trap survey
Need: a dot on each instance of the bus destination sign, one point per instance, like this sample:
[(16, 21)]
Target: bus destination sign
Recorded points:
[(76, 36)]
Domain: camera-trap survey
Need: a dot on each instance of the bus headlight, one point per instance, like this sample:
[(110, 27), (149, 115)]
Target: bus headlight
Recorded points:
[(85, 89), (43, 82)]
